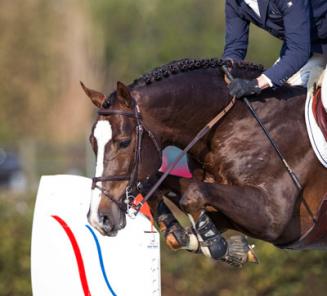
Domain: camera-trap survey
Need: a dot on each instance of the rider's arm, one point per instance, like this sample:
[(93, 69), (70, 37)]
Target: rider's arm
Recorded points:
[(297, 46), (236, 36)]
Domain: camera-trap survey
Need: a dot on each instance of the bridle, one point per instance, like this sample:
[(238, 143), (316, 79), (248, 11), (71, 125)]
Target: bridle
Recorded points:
[(135, 185)]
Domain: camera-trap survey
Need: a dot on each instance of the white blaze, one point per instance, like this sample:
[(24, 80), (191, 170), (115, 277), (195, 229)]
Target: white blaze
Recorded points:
[(102, 133)]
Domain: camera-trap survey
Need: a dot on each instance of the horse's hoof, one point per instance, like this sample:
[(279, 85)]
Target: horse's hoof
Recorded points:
[(239, 252), (252, 257)]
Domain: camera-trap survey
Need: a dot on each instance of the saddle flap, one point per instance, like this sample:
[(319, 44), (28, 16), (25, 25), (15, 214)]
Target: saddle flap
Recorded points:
[(319, 112)]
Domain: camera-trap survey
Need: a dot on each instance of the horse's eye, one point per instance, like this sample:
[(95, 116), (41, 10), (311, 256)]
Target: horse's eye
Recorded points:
[(124, 144)]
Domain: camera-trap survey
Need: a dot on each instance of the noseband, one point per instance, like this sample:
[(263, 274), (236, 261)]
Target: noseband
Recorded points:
[(134, 184)]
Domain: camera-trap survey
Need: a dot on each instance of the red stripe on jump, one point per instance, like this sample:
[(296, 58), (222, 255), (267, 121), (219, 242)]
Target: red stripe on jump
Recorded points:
[(77, 251)]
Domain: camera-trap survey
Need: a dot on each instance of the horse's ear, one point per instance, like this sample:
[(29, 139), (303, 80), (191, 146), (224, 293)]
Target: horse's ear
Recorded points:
[(123, 94), (96, 97)]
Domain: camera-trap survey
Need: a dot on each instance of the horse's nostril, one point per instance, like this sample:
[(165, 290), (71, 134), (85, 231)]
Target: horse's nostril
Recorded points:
[(104, 219)]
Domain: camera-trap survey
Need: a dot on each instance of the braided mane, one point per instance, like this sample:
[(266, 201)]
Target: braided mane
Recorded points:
[(239, 69), (186, 65)]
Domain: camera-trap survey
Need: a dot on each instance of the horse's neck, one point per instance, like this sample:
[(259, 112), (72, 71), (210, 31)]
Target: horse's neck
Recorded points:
[(175, 109), (178, 108)]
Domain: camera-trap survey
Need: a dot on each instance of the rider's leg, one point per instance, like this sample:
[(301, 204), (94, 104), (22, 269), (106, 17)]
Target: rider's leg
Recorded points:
[(316, 64)]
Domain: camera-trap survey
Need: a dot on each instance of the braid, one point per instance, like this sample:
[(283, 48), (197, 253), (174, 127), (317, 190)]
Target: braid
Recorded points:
[(186, 65)]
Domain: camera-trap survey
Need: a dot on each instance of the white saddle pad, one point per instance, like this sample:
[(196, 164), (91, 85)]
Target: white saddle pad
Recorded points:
[(317, 139)]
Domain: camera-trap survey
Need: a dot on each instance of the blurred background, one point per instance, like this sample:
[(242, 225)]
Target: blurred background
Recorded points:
[(47, 47)]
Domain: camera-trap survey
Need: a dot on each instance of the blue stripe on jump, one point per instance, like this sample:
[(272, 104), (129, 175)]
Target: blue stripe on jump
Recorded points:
[(101, 260)]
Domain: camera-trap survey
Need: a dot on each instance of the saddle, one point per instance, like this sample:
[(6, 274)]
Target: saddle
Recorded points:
[(316, 115), (316, 236), (319, 111)]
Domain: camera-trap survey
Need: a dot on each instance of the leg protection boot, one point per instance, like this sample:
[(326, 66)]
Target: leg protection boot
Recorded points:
[(212, 243)]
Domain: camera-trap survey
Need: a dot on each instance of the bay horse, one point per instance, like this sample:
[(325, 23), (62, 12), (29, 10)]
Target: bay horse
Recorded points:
[(238, 181)]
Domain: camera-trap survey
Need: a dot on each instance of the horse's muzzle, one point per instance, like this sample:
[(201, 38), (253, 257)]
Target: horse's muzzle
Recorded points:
[(111, 222)]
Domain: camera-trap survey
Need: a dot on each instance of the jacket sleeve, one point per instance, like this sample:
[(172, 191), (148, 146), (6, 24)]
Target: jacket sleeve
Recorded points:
[(236, 36), (297, 46)]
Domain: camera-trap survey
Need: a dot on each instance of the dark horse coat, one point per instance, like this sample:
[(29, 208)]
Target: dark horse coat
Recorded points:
[(237, 176)]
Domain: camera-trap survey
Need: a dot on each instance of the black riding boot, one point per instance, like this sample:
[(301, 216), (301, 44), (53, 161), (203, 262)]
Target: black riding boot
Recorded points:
[(212, 243)]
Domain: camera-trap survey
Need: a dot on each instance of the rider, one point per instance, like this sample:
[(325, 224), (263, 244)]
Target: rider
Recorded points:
[(301, 24)]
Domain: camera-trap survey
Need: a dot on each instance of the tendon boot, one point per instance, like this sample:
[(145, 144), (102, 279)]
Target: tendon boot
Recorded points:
[(211, 242), (239, 252)]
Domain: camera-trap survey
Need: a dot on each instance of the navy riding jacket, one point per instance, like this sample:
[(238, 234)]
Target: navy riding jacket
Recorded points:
[(301, 24)]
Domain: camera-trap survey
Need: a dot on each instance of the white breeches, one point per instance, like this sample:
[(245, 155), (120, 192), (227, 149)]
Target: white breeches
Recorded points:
[(316, 63)]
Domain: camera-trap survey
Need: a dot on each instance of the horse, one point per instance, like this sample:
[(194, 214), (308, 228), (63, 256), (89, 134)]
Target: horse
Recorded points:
[(238, 181)]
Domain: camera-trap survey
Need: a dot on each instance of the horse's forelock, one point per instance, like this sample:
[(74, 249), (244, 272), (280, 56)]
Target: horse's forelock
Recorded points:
[(109, 101)]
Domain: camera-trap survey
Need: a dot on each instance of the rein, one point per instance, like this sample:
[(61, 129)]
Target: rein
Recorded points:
[(136, 208), (130, 206), (129, 202)]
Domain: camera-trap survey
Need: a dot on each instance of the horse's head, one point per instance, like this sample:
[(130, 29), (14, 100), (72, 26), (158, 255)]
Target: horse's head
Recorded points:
[(119, 149)]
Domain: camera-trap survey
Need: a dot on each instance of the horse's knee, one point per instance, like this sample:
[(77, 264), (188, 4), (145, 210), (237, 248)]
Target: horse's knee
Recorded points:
[(193, 199)]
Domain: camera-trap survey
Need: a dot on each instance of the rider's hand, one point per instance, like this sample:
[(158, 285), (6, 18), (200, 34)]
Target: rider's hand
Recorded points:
[(242, 87)]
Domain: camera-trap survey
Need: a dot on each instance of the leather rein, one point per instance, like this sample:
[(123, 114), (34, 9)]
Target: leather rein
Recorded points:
[(135, 186), (129, 205)]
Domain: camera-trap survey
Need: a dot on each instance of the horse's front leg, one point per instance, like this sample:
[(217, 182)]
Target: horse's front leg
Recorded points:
[(176, 236), (235, 250)]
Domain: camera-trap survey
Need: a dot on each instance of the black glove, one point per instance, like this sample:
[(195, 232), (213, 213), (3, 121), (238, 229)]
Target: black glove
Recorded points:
[(242, 87)]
